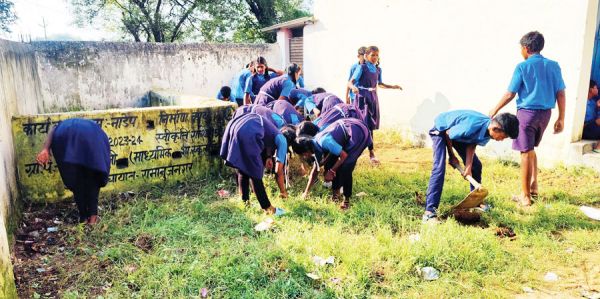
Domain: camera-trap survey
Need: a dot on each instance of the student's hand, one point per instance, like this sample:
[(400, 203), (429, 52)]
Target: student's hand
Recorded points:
[(317, 112), (559, 126), (348, 99), (283, 195), (355, 90), (329, 175), (396, 87), (453, 161), (467, 172), (269, 164), (304, 195), (43, 157), (492, 113)]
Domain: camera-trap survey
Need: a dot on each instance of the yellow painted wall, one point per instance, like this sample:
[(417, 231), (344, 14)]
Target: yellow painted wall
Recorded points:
[(148, 145)]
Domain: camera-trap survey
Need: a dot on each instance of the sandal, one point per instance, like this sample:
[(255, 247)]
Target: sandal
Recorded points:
[(345, 205)]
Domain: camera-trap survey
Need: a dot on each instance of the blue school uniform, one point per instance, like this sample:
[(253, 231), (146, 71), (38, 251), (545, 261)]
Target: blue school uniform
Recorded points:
[(238, 84), (464, 128), (366, 78), (536, 80), (590, 111), (255, 82), (299, 95), (263, 111), (300, 82), (81, 142), (274, 89), (350, 75), (247, 140)]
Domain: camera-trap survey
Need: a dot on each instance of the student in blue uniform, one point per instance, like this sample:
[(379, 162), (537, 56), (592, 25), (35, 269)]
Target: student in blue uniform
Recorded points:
[(263, 73), (337, 148), (364, 83), (249, 143), (361, 59), (462, 130), (298, 95), (287, 111), (538, 82), (225, 94), (280, 87), (268, 114), (591, 124), (238, 84), (82, 154)]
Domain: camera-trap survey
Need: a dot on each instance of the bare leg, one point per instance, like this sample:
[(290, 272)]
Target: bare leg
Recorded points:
[(526, 174), (533, 189)]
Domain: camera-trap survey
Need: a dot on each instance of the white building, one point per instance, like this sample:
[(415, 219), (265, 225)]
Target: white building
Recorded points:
[(451, 55)]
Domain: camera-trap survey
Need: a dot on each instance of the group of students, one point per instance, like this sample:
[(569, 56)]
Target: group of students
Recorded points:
[(276, 114), (332, 134), (279, 116)]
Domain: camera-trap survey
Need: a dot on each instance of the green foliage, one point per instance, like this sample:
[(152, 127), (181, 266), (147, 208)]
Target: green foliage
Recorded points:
[(202, 241), (7, 15), (197, 20)]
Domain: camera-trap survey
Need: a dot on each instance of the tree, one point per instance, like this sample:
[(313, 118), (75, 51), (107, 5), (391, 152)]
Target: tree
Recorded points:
[(179, 20), (149, 20), (7, 15)]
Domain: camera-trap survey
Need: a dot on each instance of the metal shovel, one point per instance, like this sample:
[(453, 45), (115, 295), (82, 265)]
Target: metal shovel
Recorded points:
[(473, 199)]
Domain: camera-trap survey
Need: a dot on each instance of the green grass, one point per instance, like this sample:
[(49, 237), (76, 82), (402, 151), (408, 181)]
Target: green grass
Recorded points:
[(171, 244)]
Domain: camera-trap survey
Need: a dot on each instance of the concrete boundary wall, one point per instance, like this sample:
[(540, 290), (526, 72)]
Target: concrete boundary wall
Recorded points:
[(102, 75)]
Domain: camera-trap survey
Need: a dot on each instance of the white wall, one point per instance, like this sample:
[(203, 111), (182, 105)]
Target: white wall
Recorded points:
[(99, 75), (451, 54)]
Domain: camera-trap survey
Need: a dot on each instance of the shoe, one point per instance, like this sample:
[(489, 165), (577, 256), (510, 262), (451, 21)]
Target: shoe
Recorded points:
[(483, 208), (279, 212), (430, 218)]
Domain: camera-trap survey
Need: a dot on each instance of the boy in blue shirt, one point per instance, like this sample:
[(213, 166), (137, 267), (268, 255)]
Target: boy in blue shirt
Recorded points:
[(538, 82), (225, 94), (462, 130)]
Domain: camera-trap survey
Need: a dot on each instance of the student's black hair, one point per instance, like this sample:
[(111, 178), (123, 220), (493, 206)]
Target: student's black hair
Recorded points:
[(509, 124), (371, 49), (318, 90), (362, 50), (307, 128), (534, 41), (289, 132), (593, 83), (291, 71), (225, 92), (262, 60), (303, 144)]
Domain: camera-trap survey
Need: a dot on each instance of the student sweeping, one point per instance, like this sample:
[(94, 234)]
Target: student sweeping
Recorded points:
[(462, 130), (364, 84)]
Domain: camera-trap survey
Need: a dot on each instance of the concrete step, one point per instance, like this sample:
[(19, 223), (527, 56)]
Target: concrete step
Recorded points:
[(583, 146), (592, 160)]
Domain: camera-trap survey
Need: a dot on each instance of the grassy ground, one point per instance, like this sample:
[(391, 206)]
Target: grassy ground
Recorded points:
[(173, 243)]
